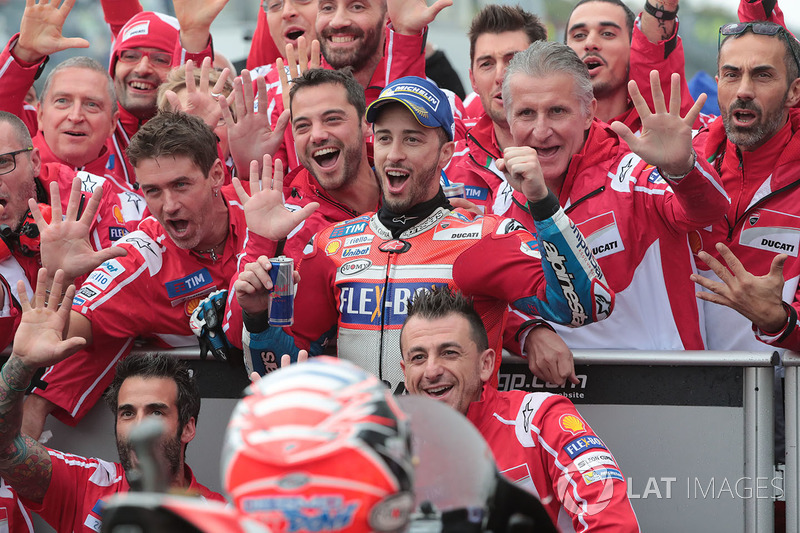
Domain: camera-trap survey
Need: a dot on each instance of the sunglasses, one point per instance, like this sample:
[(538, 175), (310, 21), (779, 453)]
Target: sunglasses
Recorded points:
[(758, 28)]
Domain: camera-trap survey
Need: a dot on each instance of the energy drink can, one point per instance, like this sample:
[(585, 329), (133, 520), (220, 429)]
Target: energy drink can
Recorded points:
[(454, 190), (281, 302)]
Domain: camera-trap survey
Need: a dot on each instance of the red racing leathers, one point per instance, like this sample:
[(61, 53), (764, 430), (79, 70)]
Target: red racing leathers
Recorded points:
[(151, 293), (80, 487), (636, 225), (356, 276), (542, 444), (762, 221)]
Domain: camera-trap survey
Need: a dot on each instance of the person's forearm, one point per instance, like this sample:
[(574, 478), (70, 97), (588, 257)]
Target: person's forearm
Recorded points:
[(79, 326), (15, 377), (659, 29)]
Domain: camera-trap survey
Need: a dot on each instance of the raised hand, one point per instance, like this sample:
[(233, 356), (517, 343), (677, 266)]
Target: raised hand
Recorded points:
[(200, 101), (195, 18), (39, 339), (298, 64), (250, 136), (263, 207), (409, 17), (64, 242), (523, 172), (757, 298), (40, 30), (666, 137)]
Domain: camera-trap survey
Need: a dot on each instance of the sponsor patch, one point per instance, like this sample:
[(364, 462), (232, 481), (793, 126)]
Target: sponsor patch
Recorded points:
[(577, 446), (362, 302), (602, 235), (89, 182), (591, 460), (772, 231), (457, 233), (655, 177), (141, 28), (89, 292), (77, 300), (476, 193), (358, 251), (358, 240), (116, 233), (603, 301), (191, 304), (354, 267), (348, 229), (194, 282), (572, 424), (508, 225), (602, 474), (103, 275), (333, 247), (531, 248), (395, 246), (622, 179), (132, 206), (417, 91)]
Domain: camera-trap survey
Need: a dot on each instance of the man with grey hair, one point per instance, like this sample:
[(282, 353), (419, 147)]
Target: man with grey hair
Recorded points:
[(76, 114), (635, 205)]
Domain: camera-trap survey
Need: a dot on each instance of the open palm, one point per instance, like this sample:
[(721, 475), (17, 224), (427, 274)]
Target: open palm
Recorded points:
[(263, 207), (39, 339)]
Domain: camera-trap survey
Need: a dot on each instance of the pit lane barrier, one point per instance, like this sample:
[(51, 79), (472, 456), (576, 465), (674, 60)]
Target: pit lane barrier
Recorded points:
[(791, 362), (692, 431)]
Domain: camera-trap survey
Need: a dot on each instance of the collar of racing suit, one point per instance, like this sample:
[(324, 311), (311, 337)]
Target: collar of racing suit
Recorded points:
[(397, 223)]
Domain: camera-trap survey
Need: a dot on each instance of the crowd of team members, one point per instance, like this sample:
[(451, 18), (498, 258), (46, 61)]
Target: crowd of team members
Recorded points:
[(596, 215)]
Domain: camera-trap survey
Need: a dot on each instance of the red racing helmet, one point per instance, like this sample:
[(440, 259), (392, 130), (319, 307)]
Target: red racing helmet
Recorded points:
[(320, 446)]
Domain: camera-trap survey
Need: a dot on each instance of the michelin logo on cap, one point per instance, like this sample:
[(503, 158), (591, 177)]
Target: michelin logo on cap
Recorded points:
[(414, 89)]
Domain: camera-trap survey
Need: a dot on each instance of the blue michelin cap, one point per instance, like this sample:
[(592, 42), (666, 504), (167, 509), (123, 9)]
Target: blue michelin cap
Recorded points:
[(426, 101)]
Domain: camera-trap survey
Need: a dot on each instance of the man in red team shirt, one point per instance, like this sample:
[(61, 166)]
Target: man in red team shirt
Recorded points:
[(184, 252), (538, 439), (69, 491)]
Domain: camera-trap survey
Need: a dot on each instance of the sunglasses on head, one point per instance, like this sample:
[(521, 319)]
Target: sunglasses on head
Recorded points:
[(758, 28)]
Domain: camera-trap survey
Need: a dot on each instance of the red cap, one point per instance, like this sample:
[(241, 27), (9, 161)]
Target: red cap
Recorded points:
[(146, 30)]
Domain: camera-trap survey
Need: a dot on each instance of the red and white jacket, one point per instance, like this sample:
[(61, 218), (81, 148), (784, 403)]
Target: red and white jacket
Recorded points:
[(80, 487), (542, 444), (150, 293), (637, 226), (763, 220), (116, 208)]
